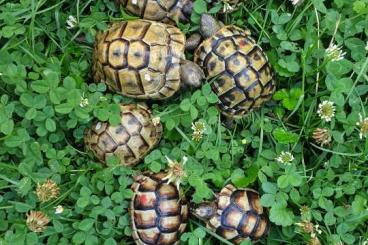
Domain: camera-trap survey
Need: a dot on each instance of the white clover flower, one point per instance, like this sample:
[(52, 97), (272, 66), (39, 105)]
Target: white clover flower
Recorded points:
[(335, 53), (59, 209), (326, 110), (227, 7), (230, 5), (296, 2), (317, 229), (83, 102), (366, 46), (156, 121), (198, 130), (176, 171), (71, 22), (285, 157), (363, 124)]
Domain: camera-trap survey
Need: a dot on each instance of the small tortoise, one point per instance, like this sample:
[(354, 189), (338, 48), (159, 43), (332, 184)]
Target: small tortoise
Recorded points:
[(136, 135), (158, 212), (236, 215), (144, 59), (168, 11), (243, 76)]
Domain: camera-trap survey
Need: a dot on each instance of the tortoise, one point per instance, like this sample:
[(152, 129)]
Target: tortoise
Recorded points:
[(136, 135), (158, 212), (236, 214), (168, 11), (144, 59), (243, 79)]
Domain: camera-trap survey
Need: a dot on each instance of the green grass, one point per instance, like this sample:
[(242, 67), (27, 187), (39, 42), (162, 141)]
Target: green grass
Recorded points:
[(45, 70)]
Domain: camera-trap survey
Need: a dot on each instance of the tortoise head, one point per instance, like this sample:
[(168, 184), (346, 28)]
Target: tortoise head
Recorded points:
[(191, 74), (187, 10), (204, 211), (208, 26)]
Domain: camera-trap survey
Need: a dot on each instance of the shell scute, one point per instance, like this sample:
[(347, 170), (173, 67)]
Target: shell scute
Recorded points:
[(231, 217), (145, 219), (147, 236), (228, 234), (114, 33), (225, 48), (262, 228), (168, 207), (167, 192), (249, 223), (167, 238), (138, 55), (145, 201), (120, 135), (106, 142), (223, 202), (117, 51), (213, 66), (169, 224)]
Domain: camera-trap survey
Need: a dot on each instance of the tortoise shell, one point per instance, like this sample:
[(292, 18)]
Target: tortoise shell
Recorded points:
[(168, 11), (140, 59), (159, 214), (243, 76), (130, 141), (239, 215)]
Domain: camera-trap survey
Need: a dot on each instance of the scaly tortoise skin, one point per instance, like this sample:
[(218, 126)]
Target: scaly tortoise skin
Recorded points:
[(167, 11), (140, 59), (243, 76), (130, 141), (239, 215), (159, 214)]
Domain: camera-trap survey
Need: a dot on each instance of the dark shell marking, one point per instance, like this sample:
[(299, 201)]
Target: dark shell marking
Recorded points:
[(244, 79), (239, 215), (140, 59), (130, 141), (159, 215)]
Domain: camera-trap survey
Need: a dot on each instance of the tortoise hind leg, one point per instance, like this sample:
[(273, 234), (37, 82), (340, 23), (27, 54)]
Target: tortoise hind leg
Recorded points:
[(229, 122)]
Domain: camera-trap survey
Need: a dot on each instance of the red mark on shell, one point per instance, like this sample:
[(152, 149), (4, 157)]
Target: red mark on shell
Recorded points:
[(242, 43), (144, 200)]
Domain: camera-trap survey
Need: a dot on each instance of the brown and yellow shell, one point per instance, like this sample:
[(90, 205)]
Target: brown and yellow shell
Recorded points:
[(130, 141), (243, 76), (159, 214), (239, 215), (140, 59), (168, 11)]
